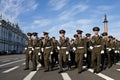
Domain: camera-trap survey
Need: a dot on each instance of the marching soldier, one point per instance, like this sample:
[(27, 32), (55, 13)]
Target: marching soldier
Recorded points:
[(80, 50), (72, 53), (28, 50), (75, 37), (42, 53), (115, 51), (119, 49), (47, 48), (97, 50), (107, 49), (63, 48), (112, 52), (54, 56), (37, 44), (88, 44)]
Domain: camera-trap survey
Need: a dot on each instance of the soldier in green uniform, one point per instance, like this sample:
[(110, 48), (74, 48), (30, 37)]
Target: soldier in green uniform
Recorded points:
[(97, 50), (88, 44), (119, 50), (37, 44), (73, 47), (54, 56), (47, 48), (28, 50), (106, 56), (75, 36), (63, 48), (42, 53), (72, 53), (115, 51), (80, 50), (111, 50), (113, 47)]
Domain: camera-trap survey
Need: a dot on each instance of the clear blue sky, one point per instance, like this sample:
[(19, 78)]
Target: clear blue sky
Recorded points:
[(53, 15)]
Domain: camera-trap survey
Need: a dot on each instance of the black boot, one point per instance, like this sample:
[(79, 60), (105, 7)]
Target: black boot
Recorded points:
[(60, 71), (26, 69), (33, 69)]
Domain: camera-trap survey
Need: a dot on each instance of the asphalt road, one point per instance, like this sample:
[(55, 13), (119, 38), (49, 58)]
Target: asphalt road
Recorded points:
[(12, 68)]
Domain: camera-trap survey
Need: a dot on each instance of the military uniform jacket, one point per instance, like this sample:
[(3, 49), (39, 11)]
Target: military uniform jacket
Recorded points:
[(106, 43), (29, 43), (55, 43), (37, 43), (112, 44), (47, 43), (119, 45), (116, 45), (88, 43), (71, 46), (97, 40), (64, 42), (80, 42)]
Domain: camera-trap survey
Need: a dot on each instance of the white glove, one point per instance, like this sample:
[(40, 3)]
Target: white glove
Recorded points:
[(116, 51), (67, 52), (42, 49), (74, 48), (51, 53), (113, 48), (109, 49), (102, 52), (39, 53), (25, 48), (33, 49), (85, 55), (58, 47), (30, 52), (91, 47)]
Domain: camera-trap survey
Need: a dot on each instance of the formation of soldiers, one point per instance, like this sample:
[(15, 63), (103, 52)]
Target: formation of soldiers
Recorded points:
[(97, 52)]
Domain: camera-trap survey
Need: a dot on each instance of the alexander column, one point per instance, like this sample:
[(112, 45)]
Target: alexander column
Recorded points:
[(105, 24)]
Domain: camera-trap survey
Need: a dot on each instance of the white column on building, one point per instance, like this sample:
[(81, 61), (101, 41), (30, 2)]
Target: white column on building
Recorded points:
[(0, 37)]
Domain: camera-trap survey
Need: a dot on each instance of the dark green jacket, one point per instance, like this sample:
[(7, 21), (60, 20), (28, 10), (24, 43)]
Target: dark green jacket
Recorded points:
[(29, 43), (64, 42)]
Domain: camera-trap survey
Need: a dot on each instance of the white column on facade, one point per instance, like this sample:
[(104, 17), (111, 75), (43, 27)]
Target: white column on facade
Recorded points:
[(1, 46), (12, 40), (0, 31), (0, 38)]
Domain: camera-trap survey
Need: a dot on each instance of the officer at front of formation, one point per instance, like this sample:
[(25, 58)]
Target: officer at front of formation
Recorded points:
[(80, 50), (97, 50), (36, 53), (47, 49), (28, 50), (63, 48)]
